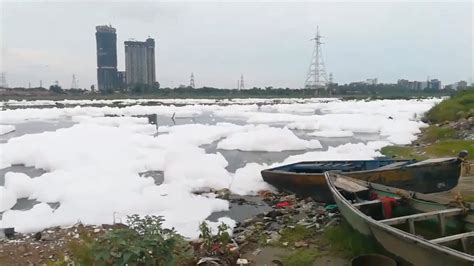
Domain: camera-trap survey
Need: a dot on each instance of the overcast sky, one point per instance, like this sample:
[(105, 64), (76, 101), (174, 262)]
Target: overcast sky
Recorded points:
[(266, 42)]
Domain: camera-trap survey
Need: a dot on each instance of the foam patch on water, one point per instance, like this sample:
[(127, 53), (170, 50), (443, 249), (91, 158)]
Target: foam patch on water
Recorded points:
[(5, 129), (7, 199), (266, 138), (332, 133)]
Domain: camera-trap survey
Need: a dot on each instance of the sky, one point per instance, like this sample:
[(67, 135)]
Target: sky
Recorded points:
[(268, 42)]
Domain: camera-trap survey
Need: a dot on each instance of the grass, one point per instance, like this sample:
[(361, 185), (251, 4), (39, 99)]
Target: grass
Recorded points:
[(301, 257), (450, 147), (461, 105), (402, 152), (434, 133), (349, 243), (298, 233)]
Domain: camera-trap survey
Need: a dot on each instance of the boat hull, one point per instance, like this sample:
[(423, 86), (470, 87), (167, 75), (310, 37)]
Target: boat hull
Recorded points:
[(412, 249), (427, 178)]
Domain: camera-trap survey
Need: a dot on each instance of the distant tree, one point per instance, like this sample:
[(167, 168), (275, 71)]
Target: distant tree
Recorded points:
[(56, 89)]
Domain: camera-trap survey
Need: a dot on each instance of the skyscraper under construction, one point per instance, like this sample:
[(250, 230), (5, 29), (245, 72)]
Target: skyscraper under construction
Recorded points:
[(106, 39), (140, 62)]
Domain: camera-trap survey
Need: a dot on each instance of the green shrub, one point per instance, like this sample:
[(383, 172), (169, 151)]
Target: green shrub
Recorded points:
[(215, 243), (454, 108), (434, 133), (143, 242)]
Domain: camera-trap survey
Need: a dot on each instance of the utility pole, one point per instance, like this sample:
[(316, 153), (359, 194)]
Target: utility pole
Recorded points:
[(316, 77)]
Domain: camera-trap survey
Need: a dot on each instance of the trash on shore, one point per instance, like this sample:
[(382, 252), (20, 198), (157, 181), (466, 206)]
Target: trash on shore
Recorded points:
[(249, 236)]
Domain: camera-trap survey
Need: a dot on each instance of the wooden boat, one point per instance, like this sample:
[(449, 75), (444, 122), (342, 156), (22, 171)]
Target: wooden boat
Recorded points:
[(413, 244), (307, 178)]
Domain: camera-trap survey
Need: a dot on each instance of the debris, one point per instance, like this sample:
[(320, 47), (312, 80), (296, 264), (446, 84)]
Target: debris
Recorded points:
[(8, 232), (209, 260), (242, 261), (300, 244), (283, 204), (257, 251)]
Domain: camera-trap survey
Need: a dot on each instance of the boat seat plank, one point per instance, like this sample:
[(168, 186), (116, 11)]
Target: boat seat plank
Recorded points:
[(349, 186), (452, 238), (370, 202), (422, 216)]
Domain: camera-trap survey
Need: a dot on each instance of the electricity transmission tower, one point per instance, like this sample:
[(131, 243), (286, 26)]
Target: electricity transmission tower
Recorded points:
[(316, 78), (191, 82), (74, 82), (241, 84), (3, 80)]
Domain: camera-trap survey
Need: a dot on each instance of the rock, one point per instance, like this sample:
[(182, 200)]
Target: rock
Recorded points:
[(277, 263), (273, 226), (300, 244), (273, 214), (247, 222), (223, 193), (37, 236), (46, 237), (240, 239), (274, 237)]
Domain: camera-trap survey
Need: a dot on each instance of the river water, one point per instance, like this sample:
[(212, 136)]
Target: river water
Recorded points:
[(235, 158)]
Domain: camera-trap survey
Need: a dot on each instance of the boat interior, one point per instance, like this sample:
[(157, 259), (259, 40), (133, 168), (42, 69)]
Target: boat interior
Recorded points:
[(344, 166), (444, 226)]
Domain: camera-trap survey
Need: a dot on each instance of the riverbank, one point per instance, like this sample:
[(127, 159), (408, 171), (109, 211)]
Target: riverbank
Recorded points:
[(450, 130), (296, 231)]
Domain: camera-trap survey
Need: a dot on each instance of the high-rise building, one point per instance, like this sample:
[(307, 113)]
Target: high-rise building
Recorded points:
[(140, 62), (106, 39)]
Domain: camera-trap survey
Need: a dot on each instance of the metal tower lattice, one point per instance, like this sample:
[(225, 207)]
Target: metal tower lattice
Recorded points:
[(241, 85), (3, 80), (191, 82), (316, 77), (74, 82)]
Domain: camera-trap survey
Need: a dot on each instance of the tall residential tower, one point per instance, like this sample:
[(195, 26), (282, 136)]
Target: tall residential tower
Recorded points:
[(140, 62), (106, 39)]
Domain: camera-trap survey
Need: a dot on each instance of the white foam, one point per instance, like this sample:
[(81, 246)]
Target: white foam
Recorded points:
[(20, 184), (7, 199), (332, 133), (93, 167), (266, 138), (5, 129)]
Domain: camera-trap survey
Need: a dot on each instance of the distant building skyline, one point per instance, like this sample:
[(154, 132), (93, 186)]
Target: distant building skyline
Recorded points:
[(106, 41), (140, 62), (270, 42)]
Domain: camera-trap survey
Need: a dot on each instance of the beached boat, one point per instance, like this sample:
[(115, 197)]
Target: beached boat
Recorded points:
[(307, 178), (400, 235)]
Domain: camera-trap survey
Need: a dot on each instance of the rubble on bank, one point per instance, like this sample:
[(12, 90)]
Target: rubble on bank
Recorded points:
[(49, 245), (293, 223), (273, 228)]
